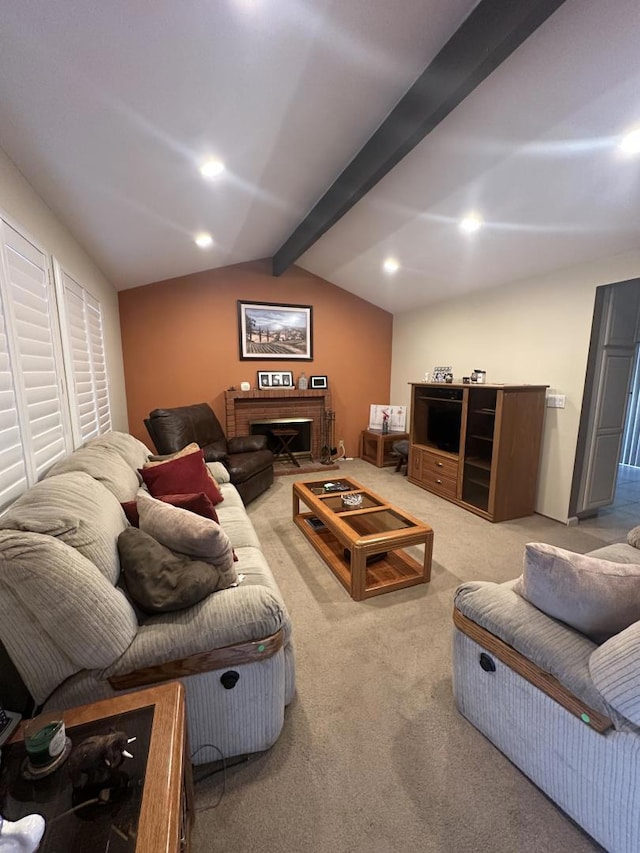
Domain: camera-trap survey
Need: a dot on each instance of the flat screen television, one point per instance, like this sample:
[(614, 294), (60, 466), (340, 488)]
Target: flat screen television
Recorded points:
[(443, 427)]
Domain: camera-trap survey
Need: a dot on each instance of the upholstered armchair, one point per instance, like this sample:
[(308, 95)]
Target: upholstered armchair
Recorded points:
[(246, 457)]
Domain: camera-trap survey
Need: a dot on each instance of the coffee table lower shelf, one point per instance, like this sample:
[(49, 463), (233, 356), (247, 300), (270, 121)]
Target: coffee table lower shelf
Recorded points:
[(395, 570)]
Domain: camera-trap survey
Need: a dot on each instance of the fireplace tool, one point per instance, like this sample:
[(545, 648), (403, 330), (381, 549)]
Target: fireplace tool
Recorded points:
[(328, 428)]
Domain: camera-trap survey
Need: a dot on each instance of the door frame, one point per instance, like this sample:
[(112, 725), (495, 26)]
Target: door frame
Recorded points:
[(591, 388)]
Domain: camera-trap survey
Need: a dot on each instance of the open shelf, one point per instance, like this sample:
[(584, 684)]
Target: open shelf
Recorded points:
[(476, 462)]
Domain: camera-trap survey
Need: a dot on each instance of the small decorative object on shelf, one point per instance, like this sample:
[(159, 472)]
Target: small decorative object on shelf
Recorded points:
[(318, 382), (440, 373), (448, 378), (303, 382), (479, 376), (385, 421)]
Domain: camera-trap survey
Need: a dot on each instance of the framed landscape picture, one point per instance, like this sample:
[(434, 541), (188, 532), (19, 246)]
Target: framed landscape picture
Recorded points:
[(274, 331)]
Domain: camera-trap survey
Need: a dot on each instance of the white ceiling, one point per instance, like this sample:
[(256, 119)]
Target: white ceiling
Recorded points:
[(109, 108)]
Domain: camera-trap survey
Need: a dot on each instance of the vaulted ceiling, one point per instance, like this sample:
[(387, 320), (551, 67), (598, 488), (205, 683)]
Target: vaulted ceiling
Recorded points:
[(110, 109)]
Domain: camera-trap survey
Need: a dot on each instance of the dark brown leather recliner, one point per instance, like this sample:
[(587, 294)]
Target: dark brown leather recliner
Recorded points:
[(249, 462)]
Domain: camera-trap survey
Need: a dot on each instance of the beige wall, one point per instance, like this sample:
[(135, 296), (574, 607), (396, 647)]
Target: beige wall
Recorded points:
[(536, 331), (20, 202)]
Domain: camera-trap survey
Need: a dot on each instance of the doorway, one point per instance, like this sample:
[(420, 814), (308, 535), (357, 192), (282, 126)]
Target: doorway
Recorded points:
[(608, 433)]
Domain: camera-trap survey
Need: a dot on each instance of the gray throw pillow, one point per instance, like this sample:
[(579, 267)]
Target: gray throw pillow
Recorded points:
[(160, 581), (597, 597), (188, 534)]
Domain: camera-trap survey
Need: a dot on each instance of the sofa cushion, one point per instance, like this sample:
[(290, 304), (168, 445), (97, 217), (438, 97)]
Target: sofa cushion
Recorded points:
[(615, 669), (198, 503), (132, 450), (597, 597), (78, 610), (104, 464), (76, 509), (159, 580), (219, 473), (184, 475), (188, 534)]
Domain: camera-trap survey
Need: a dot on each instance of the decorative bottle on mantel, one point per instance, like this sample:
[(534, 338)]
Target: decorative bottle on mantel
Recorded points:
[(303, 382)]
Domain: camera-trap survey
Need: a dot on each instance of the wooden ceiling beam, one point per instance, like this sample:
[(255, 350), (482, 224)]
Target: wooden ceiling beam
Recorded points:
[(488, 36)]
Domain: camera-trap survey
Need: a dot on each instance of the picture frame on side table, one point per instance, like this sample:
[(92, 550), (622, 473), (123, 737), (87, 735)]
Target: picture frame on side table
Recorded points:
[(316, 382), (268, 379), (273, 331)]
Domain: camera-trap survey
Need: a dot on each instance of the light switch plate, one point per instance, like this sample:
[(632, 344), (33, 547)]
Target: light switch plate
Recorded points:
[(556, 401)]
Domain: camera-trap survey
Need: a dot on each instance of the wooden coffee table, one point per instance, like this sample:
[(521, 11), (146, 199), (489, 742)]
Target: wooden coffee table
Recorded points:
[(363, 546)]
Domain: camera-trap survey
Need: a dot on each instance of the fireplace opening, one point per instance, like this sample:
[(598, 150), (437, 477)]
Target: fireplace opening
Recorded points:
[(300, 445)]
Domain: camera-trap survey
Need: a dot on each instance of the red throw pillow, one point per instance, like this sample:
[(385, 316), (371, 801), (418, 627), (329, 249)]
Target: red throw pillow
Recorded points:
[(198, 503), (182, 476)]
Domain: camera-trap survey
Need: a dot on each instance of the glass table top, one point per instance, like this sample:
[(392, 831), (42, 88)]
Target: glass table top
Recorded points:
[(96, 827)]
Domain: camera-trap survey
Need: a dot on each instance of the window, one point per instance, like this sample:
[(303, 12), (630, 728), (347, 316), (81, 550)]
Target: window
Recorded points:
[(83, 344), (39, 423)]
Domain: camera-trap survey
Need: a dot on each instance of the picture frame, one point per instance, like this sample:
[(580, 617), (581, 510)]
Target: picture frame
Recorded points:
[(318, 382), (275, 331), (269, 379)]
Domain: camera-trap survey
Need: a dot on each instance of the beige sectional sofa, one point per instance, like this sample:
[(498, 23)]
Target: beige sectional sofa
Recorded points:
[(74, 636)]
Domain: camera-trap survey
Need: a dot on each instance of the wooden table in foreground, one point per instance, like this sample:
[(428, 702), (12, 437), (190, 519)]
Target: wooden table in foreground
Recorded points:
[(375, 530), (167, 801)]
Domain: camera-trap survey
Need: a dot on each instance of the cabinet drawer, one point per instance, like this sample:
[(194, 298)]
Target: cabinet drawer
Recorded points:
[(440, 485), (432, 463)]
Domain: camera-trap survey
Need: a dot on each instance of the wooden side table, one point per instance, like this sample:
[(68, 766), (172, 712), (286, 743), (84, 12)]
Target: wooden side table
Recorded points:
[(376, 446), (166, 809)]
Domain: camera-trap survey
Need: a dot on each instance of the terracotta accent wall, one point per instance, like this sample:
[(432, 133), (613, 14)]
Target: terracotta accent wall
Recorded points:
[(180, 343)]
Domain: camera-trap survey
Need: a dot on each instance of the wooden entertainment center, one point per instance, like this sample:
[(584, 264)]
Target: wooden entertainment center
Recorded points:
[(478, 445)]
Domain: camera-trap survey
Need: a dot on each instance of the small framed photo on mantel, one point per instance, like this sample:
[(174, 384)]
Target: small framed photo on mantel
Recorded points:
[(269, 379), (318, 382)]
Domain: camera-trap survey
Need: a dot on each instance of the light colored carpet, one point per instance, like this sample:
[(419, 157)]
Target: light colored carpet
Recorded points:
[(374, 757)]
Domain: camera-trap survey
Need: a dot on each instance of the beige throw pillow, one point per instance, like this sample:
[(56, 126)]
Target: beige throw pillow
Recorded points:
[(194, 447), (188, 534), (597, 597), (633, 537)]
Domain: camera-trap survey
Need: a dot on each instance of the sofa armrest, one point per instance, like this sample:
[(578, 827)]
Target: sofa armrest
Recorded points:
[(551, 645), (615, 670), (238, 615), (216, 452), (235, 655), (247, 443)]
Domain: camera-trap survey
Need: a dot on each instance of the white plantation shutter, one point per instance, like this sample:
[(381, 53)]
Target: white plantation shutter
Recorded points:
[(13, 471), (83, 342), (35, 407)]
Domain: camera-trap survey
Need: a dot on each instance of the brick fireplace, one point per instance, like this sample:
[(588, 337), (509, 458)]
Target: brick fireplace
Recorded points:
[(242, 407)]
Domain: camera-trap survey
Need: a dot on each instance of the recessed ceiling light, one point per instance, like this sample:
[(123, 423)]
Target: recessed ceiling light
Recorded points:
[(630, 142), (470, 223), (391, 265), (212, 168), (203, 240)]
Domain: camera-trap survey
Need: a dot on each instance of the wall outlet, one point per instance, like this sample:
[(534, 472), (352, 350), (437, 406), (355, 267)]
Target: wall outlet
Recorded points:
[(556, 401)]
